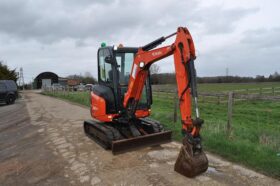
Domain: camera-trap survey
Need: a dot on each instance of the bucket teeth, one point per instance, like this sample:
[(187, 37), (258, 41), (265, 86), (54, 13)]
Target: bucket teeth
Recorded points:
[(190, 164)]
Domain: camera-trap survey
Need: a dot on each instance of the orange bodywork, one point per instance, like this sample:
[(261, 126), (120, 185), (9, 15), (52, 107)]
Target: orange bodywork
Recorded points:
[(181, 58), (183, 51), (142, 113), (98, 110)]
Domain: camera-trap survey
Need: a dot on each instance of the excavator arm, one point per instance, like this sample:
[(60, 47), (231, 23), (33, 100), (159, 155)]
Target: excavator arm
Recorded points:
[(191, 160), (184, 54)]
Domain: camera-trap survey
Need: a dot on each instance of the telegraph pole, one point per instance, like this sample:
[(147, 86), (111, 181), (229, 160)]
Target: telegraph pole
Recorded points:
[(227, 72), (21, 78)]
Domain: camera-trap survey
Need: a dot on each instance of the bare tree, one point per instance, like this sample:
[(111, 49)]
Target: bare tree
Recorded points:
[(88, 74), (154, 69)]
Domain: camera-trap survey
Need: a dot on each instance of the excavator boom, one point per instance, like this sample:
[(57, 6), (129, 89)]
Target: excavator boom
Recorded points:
[(184, 54), (191, 160)]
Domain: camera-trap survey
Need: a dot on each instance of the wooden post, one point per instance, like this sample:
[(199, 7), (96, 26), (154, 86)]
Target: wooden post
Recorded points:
[(200, 98), (175, 107), (260, 91), (229, 115), (273, 93), (218, 99)]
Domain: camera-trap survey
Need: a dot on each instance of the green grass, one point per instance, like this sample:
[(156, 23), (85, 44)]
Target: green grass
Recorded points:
[(222, 87), (77, 97), (254, 140)]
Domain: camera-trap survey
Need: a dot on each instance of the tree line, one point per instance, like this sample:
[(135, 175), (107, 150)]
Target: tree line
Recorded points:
[(156, 77), (87, 78), (169, 78), (6, 73)]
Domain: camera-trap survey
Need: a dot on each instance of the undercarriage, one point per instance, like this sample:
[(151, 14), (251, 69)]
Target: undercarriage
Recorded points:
[(122, 137)]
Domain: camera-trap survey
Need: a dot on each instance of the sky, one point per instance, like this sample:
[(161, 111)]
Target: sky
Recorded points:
[(63, 36)]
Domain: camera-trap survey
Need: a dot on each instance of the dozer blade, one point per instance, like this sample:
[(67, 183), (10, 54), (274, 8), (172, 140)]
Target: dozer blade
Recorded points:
[(189, 164), (125, 145)]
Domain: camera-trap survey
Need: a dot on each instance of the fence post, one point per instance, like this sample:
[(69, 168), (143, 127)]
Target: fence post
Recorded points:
[(202, 98), (273, 91), (218, 100), (229, 115), (260, 91), (175, 107)]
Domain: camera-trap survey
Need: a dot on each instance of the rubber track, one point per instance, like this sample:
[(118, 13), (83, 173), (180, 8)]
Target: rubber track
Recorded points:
[(104, 134)]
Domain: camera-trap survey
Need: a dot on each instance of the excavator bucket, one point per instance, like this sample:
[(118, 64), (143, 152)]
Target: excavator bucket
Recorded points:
[(190, 164), (125, 145)]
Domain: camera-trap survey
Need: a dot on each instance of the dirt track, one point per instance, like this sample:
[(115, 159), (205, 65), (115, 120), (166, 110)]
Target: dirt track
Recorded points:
[(42, 142)]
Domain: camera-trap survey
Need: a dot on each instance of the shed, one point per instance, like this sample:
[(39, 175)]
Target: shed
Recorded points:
[(45, 79)]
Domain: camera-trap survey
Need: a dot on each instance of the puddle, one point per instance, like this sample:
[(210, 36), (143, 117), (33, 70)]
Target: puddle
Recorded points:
[(162, 154), (212, 170)]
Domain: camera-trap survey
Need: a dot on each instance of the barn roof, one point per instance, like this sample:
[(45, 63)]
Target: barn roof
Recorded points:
[(47, 75)]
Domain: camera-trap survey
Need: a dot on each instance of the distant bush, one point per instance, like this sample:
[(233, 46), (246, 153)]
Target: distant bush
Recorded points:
[(169, 78), (6, 73)]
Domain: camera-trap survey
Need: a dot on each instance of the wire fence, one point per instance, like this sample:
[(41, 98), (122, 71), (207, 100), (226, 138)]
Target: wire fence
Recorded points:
[(252, 116), (270, 94), (242, 106)]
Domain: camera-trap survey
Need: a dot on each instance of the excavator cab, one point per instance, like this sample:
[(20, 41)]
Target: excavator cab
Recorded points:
[(111, 127), (114, 66)]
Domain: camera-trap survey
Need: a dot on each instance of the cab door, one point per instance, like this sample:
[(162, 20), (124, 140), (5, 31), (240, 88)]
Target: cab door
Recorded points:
[(107, 79), (105, 72)]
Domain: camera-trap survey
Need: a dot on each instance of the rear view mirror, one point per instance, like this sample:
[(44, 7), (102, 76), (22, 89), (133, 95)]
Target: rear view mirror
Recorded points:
[(108, 59)]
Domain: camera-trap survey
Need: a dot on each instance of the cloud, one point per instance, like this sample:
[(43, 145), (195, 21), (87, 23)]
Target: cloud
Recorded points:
[(217, 20), (263, 38), (64, 35), (257, 53), (51, 22)]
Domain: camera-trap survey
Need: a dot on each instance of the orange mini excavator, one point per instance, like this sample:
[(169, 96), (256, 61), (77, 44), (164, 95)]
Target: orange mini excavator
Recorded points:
[(121, 101)]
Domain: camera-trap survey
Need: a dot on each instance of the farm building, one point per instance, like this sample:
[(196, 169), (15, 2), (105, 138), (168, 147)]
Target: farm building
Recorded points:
[(73, 82), (63, 81), (45, 79)]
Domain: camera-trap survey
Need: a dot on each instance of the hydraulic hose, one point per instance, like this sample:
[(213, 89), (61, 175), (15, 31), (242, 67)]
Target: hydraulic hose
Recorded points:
[(193, 85)]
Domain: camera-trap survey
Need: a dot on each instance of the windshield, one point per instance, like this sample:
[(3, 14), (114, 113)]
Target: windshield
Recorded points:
[(125, 61)]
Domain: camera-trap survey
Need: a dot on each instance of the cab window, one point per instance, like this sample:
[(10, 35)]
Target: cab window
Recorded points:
[(105, 69), (125, 62)]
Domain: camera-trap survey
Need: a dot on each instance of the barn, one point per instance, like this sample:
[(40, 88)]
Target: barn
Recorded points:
[(45, 79)]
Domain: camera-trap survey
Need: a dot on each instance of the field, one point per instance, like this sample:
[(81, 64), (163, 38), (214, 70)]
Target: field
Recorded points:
[(222, 87), (255, 137)]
